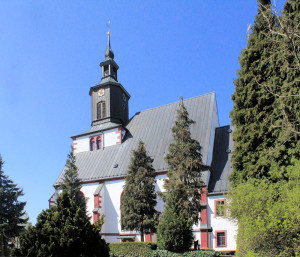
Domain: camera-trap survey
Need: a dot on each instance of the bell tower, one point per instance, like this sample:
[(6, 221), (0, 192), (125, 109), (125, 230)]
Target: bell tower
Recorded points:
[(109, 98)]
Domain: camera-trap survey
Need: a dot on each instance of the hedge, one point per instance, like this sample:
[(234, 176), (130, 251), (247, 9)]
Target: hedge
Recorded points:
[(145, 249), (227, 252), (133, 249), (199, 253)]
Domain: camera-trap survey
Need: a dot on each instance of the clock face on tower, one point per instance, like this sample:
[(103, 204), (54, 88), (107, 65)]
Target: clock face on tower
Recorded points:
[(124, 97), (101, 92)]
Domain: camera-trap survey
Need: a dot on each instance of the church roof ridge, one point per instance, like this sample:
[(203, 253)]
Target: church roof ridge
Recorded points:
[(163, 106)]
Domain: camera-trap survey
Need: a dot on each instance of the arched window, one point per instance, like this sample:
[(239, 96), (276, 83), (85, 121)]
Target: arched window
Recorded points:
[(92, 144), (106, 71), (101, 111), (98, 143)]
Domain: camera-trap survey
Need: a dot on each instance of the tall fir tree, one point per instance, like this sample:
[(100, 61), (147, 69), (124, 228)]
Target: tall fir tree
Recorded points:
[(185, 166), (12, 214), (267, 146), (175, 232), (71, 182), (182, 186), (64, 229), (261, 146), (139, 198)]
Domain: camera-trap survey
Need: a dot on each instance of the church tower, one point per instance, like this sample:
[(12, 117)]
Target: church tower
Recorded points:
[(109, 98)]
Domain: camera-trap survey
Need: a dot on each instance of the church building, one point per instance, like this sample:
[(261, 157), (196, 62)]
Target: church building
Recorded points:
[(103, 155)]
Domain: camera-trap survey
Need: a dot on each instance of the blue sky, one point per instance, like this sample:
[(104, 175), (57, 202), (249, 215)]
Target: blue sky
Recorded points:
[(50, 53)]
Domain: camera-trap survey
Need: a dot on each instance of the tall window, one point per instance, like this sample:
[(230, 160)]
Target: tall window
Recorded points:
[(92, 145), (221, 239), (106, 70), (98, 143), (220, 207), (101, 110), (114, 72)]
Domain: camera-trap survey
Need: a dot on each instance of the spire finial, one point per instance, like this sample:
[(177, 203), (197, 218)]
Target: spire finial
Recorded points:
[(109, 53)]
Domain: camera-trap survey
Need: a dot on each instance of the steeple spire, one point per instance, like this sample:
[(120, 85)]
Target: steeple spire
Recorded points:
[(109, 54)]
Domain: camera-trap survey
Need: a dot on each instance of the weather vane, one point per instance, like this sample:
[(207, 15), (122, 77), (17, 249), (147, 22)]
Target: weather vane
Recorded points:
[(107, 25)]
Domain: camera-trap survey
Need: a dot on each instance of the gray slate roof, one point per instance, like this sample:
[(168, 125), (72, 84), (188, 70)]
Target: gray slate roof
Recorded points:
[(221, 162), (153, 127), (100, 127)]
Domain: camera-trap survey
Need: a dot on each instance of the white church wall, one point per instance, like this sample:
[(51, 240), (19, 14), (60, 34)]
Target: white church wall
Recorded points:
[(82, 144), (88, 191), (214, 125), (111, 208), (159, 187), (110, 137), (220, 224)]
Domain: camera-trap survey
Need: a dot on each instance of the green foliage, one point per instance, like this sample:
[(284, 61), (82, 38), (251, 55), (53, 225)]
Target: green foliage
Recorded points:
[(133, 249), (64, 229), (270, 226), (183, 186), (200, 253), (174, 231), (143, 249), (184, 161), (267, 132), (226, 253), (12, 214), (71, 183), (139, 198)]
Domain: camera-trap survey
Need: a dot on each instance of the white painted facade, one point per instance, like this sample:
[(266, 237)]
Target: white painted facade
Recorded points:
[(220, 224), (111, 206), (109, 138), (88, 192)]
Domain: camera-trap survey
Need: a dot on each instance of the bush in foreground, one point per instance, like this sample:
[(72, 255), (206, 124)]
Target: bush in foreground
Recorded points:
[(140, 249), (133, 249)]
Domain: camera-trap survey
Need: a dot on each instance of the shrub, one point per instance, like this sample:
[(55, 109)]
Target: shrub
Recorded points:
[(137, 249), (200, 253), (133, 249), (227, 252)]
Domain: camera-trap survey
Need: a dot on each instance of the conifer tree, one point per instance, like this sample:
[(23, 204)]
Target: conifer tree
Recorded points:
[(267, 146), (12, 214), (174, 232), (139, 198), (253, 106), (64, 229), (183, 186), (184, 161), (71, 183)]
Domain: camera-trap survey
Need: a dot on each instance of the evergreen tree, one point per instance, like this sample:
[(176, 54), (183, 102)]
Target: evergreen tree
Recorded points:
[(266, 105), (64, 229), (71, 183), (139, 198), (284, 34), (184, 161), (174, 232), (267, 146), (253, 106), (12, 214), (183, 186)]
